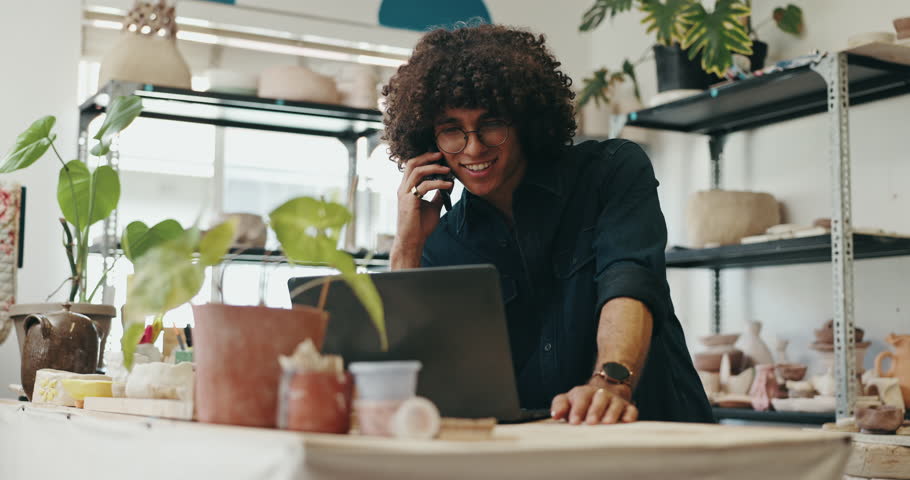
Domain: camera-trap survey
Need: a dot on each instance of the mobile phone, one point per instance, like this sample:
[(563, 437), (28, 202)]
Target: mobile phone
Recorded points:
[(449, 177)]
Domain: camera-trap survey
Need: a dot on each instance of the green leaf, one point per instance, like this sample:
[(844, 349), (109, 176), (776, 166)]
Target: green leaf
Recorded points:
[(30, 145), (789, 19), (363, 288), (629, 69), (595, 88), (129, 341), (121, 112), (138, 238), (665, 17), (216, 243), (716, 35), (304, 215), (167, 276), (595, 15), (75, 186)]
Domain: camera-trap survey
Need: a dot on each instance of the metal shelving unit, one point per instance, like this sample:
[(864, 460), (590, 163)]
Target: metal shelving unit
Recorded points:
[(347, 124), (830, 82)]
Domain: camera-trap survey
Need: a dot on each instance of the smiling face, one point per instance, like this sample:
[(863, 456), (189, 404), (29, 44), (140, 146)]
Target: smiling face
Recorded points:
[(492, 173)]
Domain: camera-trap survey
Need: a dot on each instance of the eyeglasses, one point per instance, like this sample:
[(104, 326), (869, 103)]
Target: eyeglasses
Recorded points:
[(492, 134)]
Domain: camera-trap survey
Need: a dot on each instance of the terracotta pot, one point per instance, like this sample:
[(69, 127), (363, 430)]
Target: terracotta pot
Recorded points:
[(60, 340), (879, 419), (236, 350), (318, 402), (902, 27), (826, 333), (100, 315), (900, 363)]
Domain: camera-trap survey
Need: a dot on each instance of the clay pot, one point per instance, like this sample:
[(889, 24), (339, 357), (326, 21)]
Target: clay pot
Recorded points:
[(318, 402), (236, 350), (719, 340), (710, 361), (100, 315), (826, 333), (61, 340), (297, 83), (791, 371), (900, 363), (882, 419), (902, 27)]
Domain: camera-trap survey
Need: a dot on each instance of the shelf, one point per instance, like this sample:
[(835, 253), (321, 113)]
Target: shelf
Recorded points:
[(241, 111), (805, 418), (785, 252), (258, 255), (774, 97)]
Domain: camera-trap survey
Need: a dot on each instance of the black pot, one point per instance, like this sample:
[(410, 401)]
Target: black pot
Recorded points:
[(676, 72), (759, 54)]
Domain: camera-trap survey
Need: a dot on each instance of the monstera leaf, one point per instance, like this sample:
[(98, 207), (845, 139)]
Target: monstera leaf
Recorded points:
[(80, 191), (595, 15), (595, 89), (665, 18), (30, 145), (716, 35), (789, 19), (120, 114)]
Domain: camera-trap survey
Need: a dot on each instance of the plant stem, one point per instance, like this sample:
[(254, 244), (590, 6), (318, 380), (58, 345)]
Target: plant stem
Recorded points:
[(77, 267), (68, 246), (102, 280), (314, 283)]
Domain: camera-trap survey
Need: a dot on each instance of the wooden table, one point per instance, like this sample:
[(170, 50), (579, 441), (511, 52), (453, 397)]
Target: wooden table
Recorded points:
[(59, 442)]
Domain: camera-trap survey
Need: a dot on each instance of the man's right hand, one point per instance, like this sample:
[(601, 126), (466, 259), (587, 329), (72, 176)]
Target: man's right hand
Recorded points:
[(417, 217)]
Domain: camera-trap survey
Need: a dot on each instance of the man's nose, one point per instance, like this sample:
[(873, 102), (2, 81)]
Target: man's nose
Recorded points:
[(474, 146)]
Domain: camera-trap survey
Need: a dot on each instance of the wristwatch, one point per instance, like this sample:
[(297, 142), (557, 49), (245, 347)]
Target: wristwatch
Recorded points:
[(616, 373)]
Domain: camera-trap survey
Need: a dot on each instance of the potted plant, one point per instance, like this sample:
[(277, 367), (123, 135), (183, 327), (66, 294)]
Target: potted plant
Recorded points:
[(694, 47), (85, 196), (236, 348)]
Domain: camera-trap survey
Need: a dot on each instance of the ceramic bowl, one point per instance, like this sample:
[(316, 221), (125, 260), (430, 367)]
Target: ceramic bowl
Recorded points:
[(791, 371), (826, 333), (710, 361), (883, 419), (719, 340)]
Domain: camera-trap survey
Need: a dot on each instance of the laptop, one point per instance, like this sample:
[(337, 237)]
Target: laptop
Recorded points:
[(451, 319)]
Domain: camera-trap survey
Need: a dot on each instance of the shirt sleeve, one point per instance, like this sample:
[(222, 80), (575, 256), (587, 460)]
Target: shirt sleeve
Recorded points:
[(631, 234)]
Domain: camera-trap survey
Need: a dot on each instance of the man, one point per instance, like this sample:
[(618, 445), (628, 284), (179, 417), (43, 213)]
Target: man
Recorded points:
[(576, 232)]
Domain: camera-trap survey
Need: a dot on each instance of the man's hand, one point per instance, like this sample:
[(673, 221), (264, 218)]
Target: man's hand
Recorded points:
[(597, 402)]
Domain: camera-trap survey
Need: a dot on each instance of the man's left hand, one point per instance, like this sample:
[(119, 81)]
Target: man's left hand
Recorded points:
[(595, 403)]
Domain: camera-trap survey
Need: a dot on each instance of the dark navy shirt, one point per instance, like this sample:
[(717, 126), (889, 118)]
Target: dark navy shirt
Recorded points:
[(587, 228)]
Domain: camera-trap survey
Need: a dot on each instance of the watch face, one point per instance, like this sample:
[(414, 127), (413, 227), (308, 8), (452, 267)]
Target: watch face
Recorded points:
[(616, 371)]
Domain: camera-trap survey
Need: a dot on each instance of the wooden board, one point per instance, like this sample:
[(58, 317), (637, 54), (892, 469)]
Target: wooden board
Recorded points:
[(889, 52), (173, 409), (874, 460)]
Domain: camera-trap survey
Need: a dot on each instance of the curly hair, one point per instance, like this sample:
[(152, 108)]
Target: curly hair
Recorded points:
[(510, 72)]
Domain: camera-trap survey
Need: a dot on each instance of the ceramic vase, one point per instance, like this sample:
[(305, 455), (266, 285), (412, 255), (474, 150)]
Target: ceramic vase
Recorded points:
[(764, 388), (755, 350), (147, 50)]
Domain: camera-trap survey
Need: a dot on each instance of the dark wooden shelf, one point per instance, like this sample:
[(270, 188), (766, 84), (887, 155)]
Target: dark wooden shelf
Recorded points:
[(804, 418), (772, 98), (785, 252)]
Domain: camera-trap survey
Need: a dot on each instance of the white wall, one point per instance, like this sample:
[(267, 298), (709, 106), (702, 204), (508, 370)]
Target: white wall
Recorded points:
[(791, 161), (40, 54)]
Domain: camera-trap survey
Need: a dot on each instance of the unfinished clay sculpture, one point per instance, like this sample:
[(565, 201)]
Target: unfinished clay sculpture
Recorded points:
[(161, 380), (721, 217)]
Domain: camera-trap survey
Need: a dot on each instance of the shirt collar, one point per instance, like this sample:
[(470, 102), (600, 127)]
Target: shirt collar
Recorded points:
[(543, 174)]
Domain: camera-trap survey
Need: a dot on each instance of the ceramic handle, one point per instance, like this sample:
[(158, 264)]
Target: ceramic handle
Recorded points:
[(36, 319), (878, 364)]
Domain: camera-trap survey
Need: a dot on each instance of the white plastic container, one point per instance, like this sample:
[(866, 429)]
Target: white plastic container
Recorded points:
[(385, 381)]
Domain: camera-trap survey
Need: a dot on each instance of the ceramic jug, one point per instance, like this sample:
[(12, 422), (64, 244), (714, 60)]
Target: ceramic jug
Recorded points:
[(900, 363), (60, 340)]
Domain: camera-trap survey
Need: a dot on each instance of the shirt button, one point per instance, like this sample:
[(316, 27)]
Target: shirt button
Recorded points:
[(548, 347), (503, 243)]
